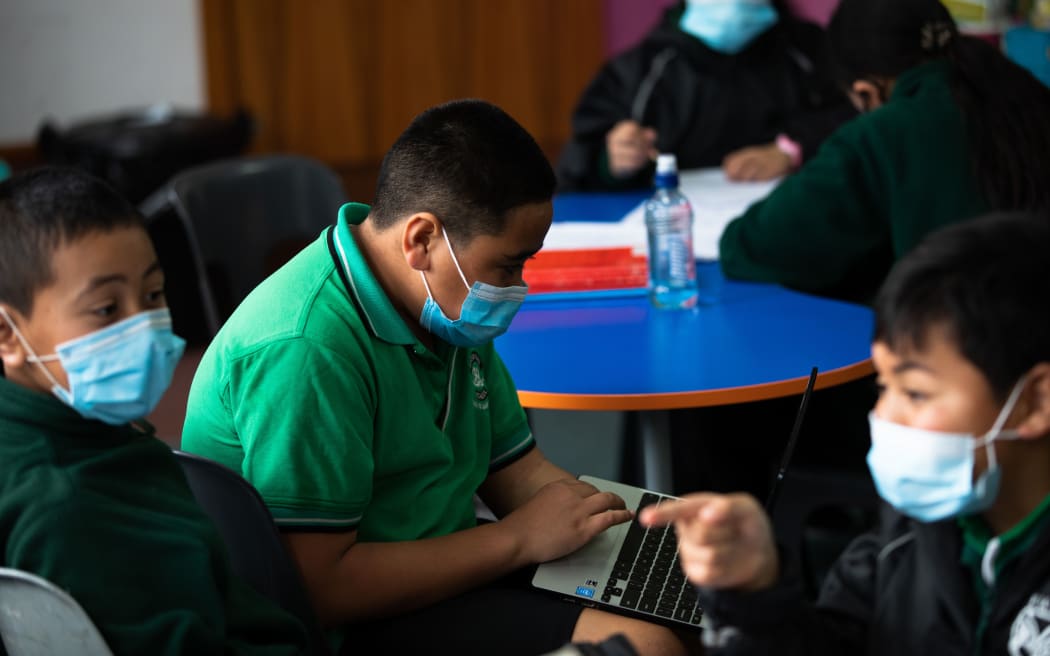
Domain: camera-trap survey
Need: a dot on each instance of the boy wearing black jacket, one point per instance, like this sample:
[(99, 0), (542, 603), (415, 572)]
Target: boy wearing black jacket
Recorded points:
[(739, 83)]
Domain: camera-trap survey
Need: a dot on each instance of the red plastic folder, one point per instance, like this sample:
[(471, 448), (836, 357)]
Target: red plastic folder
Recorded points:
[(585, 270)]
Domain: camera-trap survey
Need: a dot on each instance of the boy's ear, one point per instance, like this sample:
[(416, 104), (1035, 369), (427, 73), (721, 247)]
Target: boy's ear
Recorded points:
[(1036, 422), (12, 352), (421, 232), (869, 94)]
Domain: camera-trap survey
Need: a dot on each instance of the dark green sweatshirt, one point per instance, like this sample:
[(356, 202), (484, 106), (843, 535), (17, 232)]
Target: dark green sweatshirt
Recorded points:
[(105, 513), (874, 189)]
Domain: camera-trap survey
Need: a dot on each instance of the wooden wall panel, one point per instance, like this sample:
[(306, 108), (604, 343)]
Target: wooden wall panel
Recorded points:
[(327, 71), (340, 79), (421, 59)]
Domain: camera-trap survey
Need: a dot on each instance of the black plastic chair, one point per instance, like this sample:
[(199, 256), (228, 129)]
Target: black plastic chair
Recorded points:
[(243, 218), (257, 554)]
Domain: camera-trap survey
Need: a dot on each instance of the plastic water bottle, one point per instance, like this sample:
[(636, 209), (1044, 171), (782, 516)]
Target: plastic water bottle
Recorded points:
[(669, 221)]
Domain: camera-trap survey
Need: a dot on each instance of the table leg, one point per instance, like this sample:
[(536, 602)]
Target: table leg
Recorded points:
[(656, 450)]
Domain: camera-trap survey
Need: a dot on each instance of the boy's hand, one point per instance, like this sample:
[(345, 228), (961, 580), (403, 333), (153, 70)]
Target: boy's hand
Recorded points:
[(630, 148), (757, 163), (563, 516), (724, 541)]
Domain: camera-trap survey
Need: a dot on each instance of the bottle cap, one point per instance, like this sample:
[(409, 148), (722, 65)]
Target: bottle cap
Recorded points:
[(666, 164)]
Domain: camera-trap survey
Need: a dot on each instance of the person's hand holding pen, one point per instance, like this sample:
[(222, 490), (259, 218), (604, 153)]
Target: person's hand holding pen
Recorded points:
[(724, 540), (631, 147)]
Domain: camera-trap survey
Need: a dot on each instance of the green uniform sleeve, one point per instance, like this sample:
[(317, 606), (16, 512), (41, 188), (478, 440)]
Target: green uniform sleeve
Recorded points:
[(304, 414), (301, 415), (824, 229)]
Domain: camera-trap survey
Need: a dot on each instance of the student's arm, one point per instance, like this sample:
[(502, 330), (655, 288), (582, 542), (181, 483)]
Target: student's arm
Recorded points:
[(724, 541), (351, 580), (510, 487), (726, 548), (314, 466), (518, 470), (545, 513), (825, 229)]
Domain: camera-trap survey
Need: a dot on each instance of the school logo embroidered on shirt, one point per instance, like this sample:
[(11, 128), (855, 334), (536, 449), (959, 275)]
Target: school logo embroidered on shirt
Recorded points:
[(477, 375), (1030, 633)]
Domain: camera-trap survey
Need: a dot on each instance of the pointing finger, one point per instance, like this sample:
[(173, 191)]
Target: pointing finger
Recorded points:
[(669, 511)]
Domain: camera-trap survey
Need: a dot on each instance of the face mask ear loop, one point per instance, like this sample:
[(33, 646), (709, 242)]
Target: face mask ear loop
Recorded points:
[(33, 357), (989, 452), (455, 260), (997, 427), (426, 285)]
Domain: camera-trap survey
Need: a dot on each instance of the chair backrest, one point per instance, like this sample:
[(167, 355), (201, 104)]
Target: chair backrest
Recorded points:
[(246, 217), (257, 554), (809, 490), (39, 619)]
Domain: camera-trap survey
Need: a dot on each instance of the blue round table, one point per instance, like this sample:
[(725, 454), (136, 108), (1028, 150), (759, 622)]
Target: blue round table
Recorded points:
[(744, 342), (612, 350)]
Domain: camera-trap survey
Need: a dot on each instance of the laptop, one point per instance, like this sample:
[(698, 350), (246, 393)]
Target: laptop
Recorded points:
[(635, 571), (627, 569)]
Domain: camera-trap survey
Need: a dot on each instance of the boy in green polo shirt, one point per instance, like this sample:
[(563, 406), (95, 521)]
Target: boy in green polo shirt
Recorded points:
[(358, 389), (960, 450), (89, 499)]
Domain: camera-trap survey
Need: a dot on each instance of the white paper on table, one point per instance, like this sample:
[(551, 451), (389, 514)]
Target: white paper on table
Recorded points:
[(570, 235), (715, 202)]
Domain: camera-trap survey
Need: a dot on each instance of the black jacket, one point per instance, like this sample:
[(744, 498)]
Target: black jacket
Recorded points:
[(902, 591), (705, 104)]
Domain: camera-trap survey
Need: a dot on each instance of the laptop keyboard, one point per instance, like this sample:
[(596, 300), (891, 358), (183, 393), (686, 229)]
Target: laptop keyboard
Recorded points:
[(647, 576)]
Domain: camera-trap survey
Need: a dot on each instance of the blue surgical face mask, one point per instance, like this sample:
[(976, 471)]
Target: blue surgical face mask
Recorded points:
[(727, 26), (116, 374), (928, 475), (486, 313)]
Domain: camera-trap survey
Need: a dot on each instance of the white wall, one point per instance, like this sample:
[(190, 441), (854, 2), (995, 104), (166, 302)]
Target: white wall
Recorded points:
[(74, 59)]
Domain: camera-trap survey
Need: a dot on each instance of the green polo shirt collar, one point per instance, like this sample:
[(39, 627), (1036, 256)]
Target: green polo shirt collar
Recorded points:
[(380, 314), (987, 555)]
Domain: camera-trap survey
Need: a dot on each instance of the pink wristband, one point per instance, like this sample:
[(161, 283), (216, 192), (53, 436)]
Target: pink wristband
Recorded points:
[(791, 148)]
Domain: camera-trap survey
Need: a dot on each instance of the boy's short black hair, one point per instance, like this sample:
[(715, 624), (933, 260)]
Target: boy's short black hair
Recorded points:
[(467, 162), (42, 209), (987, 283)]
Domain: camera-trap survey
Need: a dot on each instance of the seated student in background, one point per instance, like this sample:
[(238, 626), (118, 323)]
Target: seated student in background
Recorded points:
[(960, 449), (89, 499), (951, 129), (358, 389), (739, 83)]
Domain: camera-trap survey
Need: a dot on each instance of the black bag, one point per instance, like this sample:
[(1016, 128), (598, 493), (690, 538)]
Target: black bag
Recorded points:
[(139, 151)]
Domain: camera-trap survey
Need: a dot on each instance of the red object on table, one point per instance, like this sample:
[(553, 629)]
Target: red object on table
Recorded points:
[(586, 269)]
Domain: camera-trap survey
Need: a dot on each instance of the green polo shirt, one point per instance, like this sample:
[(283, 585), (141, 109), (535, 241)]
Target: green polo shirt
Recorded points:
[(318, 392)]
